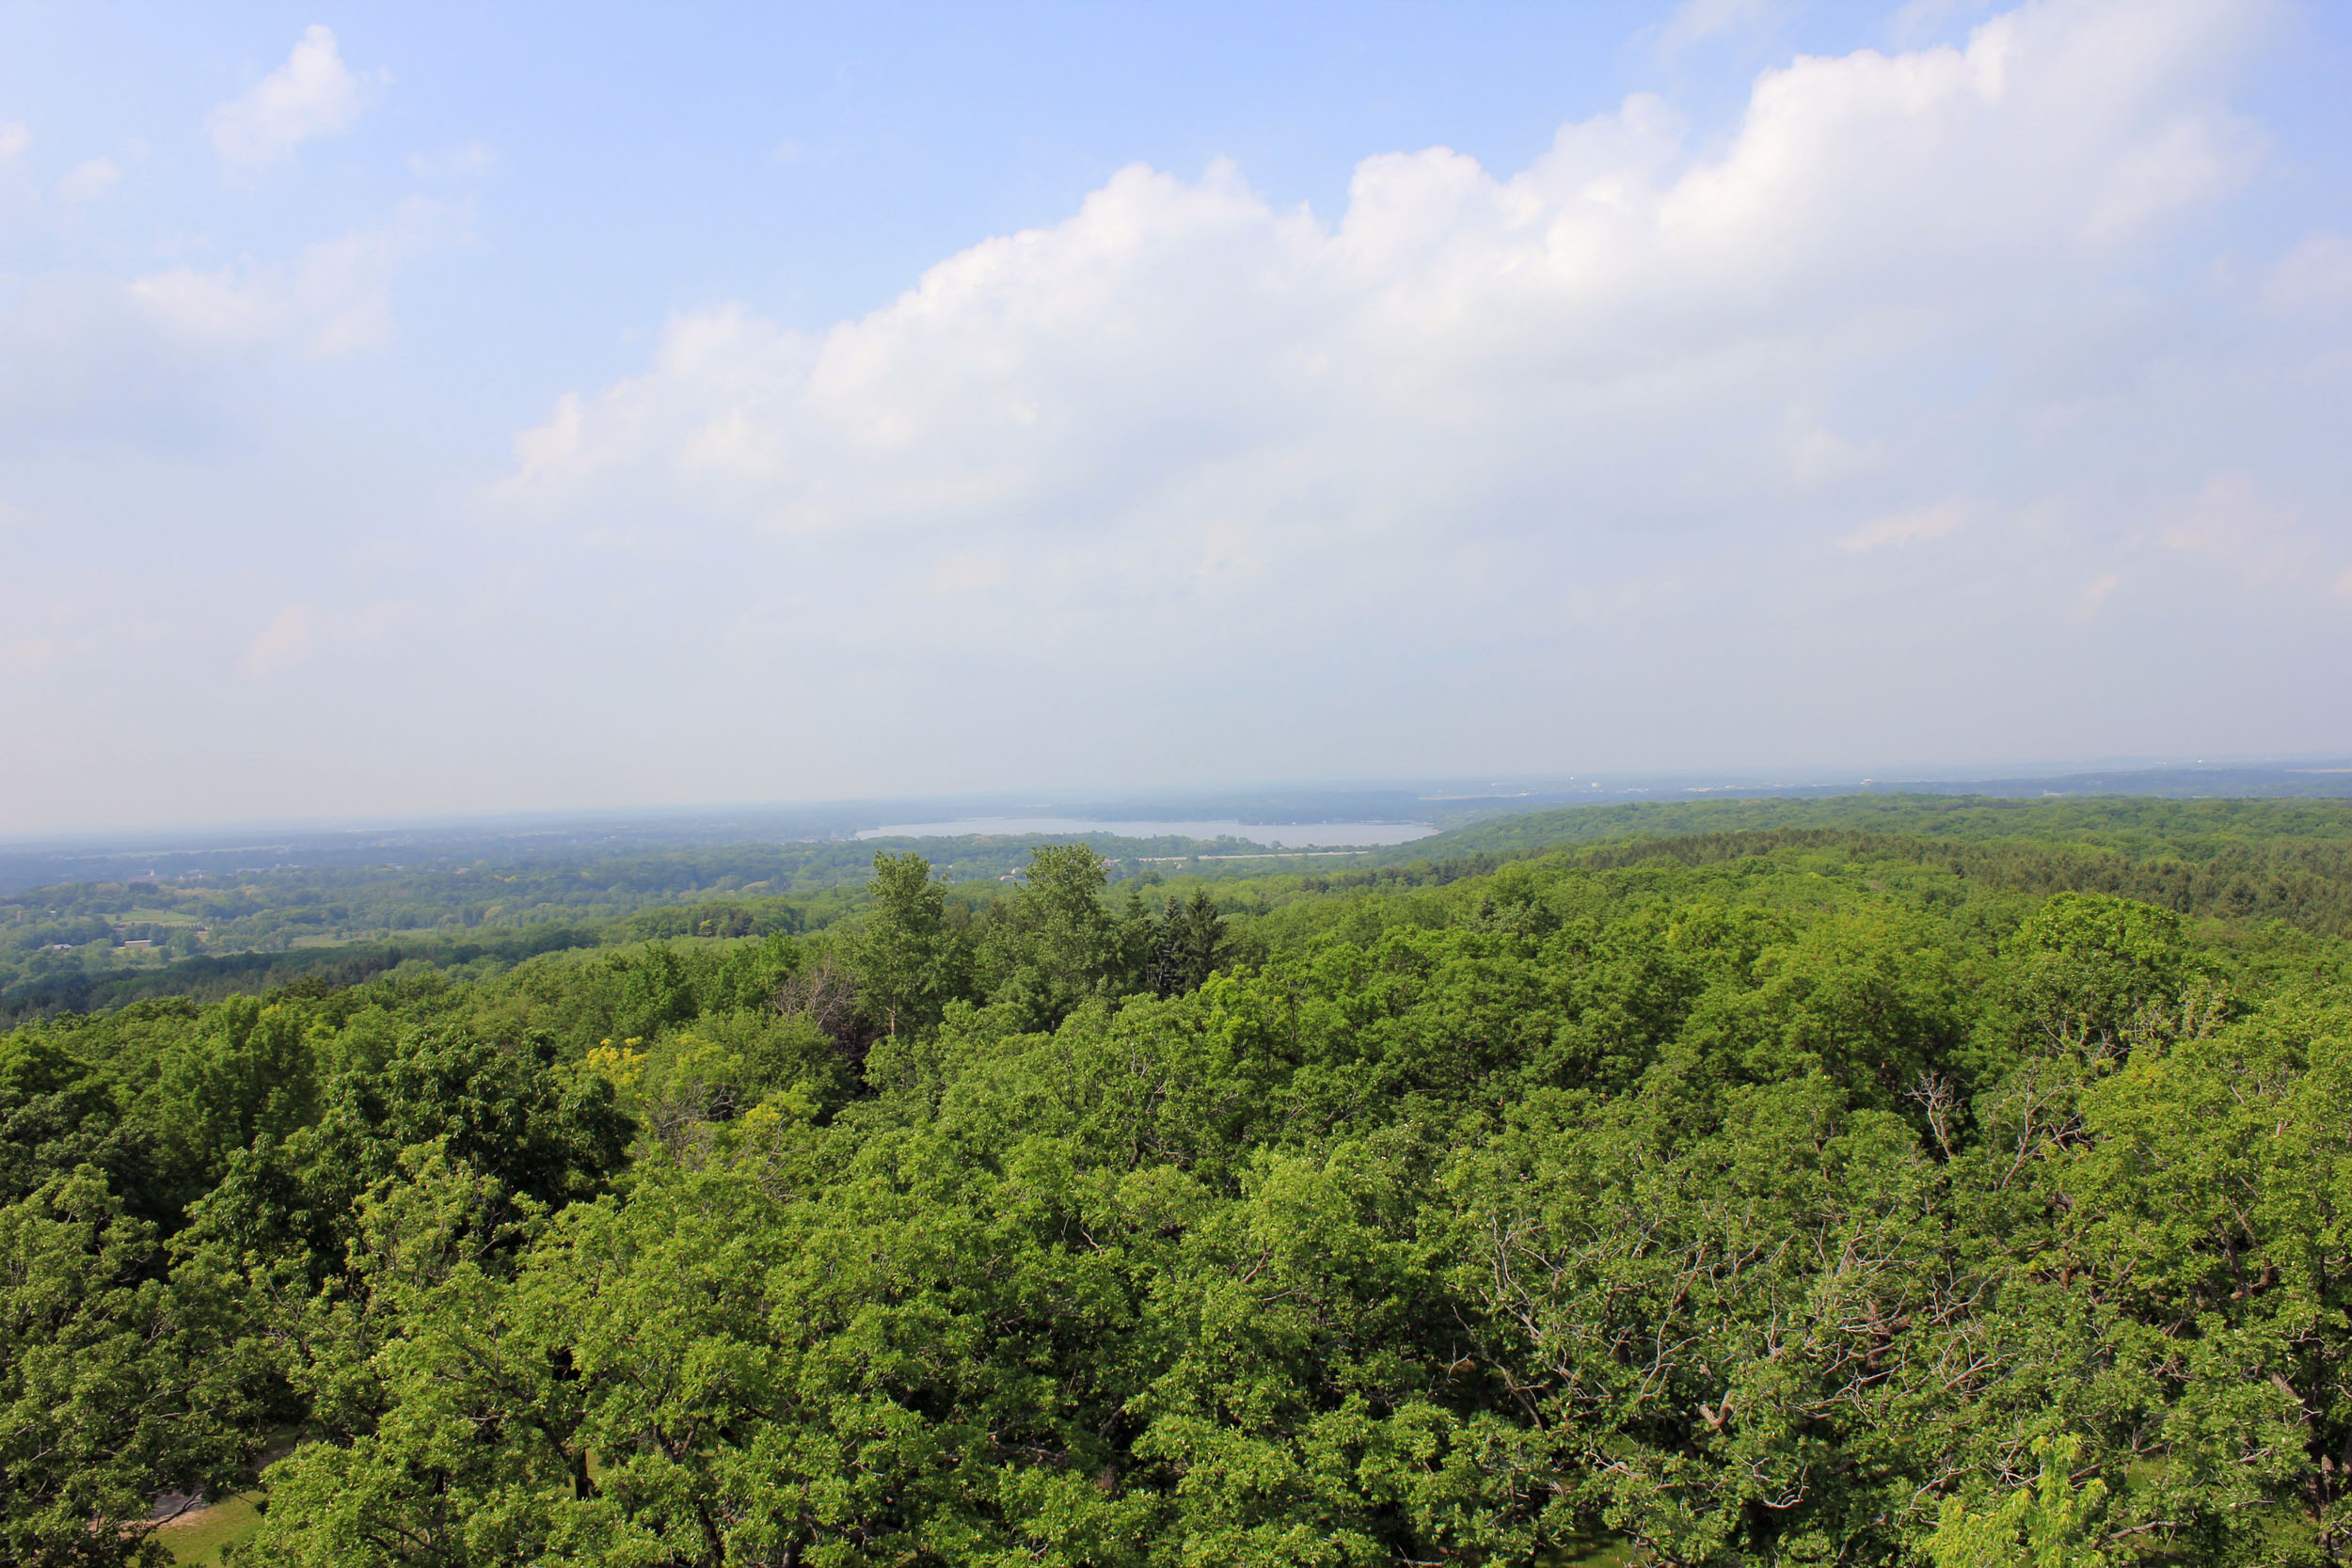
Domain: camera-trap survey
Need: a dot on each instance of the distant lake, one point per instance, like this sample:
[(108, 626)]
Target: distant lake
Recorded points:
[(1284, 836)]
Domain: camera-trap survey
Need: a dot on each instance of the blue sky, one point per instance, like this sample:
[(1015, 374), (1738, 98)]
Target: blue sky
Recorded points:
[(427, 408)]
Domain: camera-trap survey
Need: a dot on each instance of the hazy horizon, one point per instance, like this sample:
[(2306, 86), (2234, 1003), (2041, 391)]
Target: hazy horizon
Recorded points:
[(1295, 802), (417, 412)]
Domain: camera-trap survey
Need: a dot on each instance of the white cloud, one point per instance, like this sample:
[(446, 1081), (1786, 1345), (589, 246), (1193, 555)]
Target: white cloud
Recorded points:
[(1630, 334), (2229, 516), (2315, 276), (285, 640), (2233, 518), (342, 288), (15, 138), (1907, 412), (334, 299), (1696, 21), (164, 360), (212, 308), (1500, 458), (1904, 528), (89, 181), (2194, 158), (312, 95)]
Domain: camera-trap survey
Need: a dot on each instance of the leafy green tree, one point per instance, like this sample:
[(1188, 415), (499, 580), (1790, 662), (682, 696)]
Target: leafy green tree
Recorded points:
[(1729, 1344), (909, 962), (410, 1466), (746, 978), (250, 1073), (1186, 947), (657, 989), (2084, 966), (56, 1112), (1056, 944), (695, 1079), (107, 1392), (501, 1108)]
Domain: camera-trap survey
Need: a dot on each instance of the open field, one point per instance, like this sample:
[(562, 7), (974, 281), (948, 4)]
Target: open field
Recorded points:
[(197, 1538)]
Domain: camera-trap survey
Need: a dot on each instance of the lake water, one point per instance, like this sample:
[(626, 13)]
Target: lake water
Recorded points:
[(1284, 836)]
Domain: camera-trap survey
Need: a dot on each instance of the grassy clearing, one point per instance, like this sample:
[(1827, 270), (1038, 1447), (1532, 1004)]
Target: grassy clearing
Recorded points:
[(198, 1537)]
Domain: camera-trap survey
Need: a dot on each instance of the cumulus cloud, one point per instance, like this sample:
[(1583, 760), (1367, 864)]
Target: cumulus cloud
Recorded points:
[(1632, 337), (89, 181), (285, 640), (334, 298), (164, 358), (15, 138), (2235, 521), (312, 95), (2230, 515), (1904, 528), (2315, 276), (1908, 413), (1483, 435)]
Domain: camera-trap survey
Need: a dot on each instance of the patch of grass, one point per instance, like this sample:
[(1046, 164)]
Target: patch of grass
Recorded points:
[(198, 1537)]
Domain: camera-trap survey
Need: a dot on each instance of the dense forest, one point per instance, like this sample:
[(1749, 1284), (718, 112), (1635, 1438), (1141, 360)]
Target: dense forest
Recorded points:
[(1950, 1184), (208, 928)]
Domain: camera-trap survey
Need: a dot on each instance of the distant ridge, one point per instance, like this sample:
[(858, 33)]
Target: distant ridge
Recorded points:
[(1454, 806), (2143, 826)]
